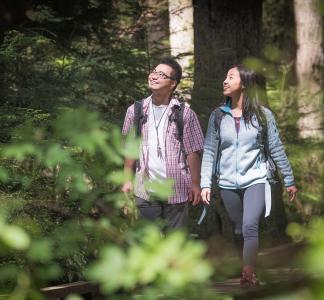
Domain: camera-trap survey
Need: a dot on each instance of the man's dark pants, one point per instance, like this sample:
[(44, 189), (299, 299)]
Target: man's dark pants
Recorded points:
[(174, 215)]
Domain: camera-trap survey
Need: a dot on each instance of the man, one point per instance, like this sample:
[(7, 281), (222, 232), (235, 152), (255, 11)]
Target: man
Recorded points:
[(162, 155)]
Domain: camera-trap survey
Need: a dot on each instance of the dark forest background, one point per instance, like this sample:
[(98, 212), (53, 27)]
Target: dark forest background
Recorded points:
[(68, 72)]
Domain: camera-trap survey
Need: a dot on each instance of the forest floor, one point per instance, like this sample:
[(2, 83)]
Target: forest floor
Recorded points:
[(278, 271)]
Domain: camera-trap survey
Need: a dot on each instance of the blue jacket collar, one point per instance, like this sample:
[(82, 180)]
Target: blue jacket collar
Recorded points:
[(226, 107)]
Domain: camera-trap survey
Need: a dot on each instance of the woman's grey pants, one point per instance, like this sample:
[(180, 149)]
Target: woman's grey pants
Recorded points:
[(245, 207)]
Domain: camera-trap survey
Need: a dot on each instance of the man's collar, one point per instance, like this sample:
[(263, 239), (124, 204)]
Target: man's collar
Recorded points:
[(173, 102)]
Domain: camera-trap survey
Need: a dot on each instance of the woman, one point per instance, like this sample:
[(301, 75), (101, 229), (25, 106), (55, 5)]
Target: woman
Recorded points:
[(234, 152)]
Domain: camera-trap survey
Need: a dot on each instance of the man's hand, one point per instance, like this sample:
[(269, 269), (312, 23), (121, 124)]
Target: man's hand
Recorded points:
[(127, 187), (194, 167), (194, 194), (292, 191), (205, 195)]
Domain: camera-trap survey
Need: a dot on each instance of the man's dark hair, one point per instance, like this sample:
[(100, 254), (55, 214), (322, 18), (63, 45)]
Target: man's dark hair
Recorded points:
[(175, 66)]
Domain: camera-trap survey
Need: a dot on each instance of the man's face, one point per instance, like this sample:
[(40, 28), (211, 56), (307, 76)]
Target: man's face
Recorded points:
[(162, 78)]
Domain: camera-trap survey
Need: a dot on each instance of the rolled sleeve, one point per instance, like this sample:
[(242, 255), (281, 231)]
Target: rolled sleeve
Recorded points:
[(277, 150), (193, 138), (129, 120)]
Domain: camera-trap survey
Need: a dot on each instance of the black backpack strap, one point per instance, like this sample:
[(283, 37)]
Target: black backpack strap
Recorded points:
[(138, 117), (177, 116), (218, 119), (179, 120)]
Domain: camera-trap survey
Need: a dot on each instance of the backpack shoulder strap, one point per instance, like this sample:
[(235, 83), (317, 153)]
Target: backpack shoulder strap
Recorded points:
[(218, 119), (264, 137), (138, 115), (179, 120)]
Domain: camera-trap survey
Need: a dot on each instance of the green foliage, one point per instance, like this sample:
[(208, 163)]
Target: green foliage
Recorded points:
[(305, 156), (13, 236), (61, 165), (100, 65), (80, 206), (153, 259), (311, 259)]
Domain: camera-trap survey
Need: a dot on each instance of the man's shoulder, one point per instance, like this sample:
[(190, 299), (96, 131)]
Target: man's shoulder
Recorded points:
[(187, 110), (144, 102)]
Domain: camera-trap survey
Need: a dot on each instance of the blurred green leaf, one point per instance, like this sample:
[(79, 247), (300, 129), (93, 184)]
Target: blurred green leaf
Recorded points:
[(153, 259), (132, 146), (74, 297), (15, 237), (160, 188), (3, 175), (55, 155), (20, 151), (41, 250)]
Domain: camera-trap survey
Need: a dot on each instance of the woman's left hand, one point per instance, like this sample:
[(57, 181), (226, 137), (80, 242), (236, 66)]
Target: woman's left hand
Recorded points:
[(292, 191)]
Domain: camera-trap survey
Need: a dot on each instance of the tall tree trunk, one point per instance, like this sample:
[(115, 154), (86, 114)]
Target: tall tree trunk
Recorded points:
[(226, 32), (309, 67), (182, 40), (157, 29)]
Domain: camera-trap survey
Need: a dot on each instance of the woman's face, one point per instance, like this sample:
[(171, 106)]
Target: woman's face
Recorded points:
[(232, 85)]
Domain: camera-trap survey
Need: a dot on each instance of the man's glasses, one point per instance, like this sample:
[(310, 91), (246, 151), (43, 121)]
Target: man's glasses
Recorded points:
[(161, 75)]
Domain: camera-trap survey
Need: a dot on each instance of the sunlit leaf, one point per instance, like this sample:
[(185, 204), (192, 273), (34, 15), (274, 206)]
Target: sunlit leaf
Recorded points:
[(41, 251), (15, 237), (160, 188)]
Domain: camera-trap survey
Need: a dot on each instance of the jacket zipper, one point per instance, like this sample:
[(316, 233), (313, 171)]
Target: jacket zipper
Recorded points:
[(236, 154)]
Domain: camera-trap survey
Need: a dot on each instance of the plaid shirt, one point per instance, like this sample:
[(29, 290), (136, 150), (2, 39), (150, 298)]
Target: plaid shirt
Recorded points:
[(175, 159)]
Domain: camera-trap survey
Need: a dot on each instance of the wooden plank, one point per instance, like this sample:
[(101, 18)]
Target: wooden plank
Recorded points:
[(86, 289)]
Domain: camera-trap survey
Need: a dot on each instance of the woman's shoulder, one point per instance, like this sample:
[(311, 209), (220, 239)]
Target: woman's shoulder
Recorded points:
[(217, 112), (268, 113)]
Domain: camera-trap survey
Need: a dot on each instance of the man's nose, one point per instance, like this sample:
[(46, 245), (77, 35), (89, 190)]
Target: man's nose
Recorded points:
[(153, 75)]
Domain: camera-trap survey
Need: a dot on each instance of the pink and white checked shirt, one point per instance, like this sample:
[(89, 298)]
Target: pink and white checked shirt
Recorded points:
[(176, 167)]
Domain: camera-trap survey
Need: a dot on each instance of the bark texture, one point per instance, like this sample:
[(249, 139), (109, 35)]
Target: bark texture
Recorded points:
[(157, 29), (226, 32), (309, 67), (182, 41)]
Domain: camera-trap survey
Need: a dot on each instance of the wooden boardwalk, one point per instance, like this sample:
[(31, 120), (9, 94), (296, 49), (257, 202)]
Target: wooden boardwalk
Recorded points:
[(278, 275)]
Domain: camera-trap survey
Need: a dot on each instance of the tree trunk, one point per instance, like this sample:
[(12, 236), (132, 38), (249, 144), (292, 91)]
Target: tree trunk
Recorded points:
[(309, 67), (157, 29), (182, 41), (226, 32)]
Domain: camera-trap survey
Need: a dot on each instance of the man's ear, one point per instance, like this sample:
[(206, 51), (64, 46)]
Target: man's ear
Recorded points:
[(174, 84)]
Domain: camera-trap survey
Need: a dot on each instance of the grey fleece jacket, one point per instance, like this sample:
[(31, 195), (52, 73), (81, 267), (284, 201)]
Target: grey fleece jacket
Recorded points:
[(241, 161)]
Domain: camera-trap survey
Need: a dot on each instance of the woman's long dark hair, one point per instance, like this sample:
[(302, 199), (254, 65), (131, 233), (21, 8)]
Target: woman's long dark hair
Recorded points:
[(255, 94)]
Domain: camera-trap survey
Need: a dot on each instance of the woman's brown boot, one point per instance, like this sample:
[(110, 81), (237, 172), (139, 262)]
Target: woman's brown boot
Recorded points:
[(248, 277)]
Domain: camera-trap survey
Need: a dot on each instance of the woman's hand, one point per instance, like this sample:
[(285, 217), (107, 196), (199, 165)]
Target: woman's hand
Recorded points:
[(292, 191), (205, 195)]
